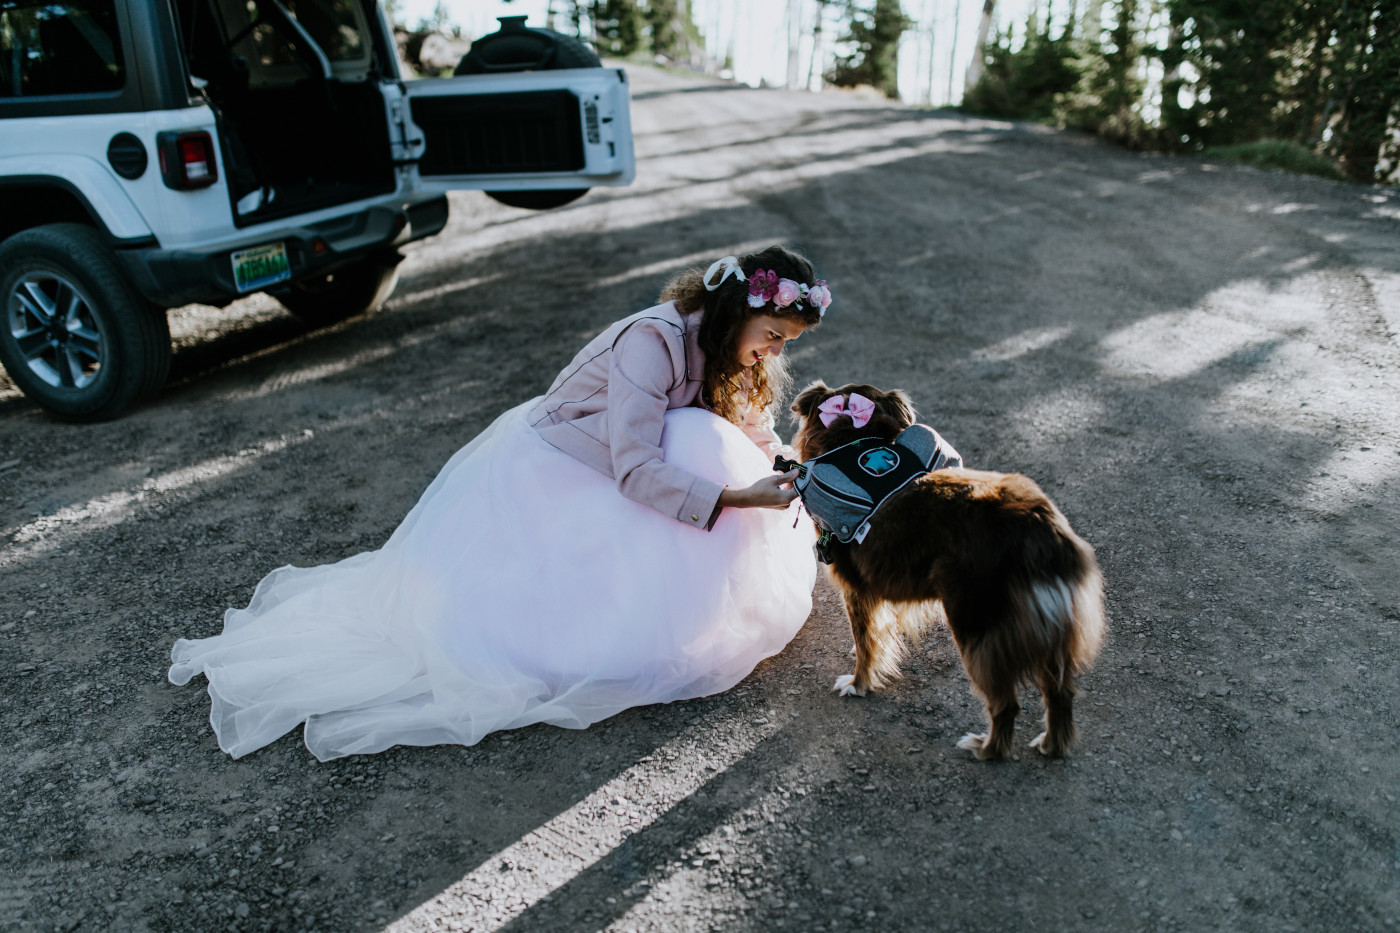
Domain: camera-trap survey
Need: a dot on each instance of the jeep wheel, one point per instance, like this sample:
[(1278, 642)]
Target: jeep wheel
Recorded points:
[(538, 200), (351, 290), (75, 337)]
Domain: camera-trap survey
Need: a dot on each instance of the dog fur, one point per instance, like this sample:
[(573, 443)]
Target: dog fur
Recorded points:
[(988, 553)]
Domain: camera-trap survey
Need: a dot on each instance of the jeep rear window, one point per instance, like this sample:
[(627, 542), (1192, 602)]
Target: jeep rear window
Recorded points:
[(49, 48), (332, 23)]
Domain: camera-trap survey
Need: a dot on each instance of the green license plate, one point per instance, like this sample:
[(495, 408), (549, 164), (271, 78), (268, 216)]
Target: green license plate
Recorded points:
[(261, 266)]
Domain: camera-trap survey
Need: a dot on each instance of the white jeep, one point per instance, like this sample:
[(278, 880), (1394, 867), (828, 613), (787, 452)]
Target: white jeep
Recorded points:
[(157, 153)]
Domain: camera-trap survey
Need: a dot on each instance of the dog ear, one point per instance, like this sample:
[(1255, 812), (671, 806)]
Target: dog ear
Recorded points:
[(807, 401), (898, 406)]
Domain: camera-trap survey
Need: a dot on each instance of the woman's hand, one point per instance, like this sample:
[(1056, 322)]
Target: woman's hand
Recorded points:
[(771, 492)]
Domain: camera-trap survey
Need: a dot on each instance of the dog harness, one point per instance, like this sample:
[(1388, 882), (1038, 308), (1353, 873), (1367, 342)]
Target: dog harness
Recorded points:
[(844, 488)]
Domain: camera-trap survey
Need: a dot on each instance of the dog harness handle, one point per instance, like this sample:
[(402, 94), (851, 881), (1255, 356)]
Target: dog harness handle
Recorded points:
[(843, 488)]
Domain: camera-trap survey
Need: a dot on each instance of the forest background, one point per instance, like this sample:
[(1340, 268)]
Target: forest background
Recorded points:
[(1306, 85)]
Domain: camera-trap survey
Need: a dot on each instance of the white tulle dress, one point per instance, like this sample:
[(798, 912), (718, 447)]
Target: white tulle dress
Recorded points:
[(522, 588)]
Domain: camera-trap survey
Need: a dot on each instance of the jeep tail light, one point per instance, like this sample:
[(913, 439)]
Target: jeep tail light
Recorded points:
[(187, 160)]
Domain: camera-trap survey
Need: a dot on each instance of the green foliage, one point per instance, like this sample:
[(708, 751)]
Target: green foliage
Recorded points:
[(1370, 94), (1241, 52), (1107, 98), (618, 27), (1024, 84), (875, 34), (624, 28), (1324, 74), (1278, 154), (671, 31)]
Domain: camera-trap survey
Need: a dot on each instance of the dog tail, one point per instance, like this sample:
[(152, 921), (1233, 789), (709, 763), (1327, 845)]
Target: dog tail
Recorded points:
[(1063, 607), (1068, 612)]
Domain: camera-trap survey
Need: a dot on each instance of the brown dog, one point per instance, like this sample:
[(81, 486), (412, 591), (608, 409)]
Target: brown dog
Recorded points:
[(987, 552)]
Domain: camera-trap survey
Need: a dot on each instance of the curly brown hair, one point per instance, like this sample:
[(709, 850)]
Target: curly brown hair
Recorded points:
[(728, 387)]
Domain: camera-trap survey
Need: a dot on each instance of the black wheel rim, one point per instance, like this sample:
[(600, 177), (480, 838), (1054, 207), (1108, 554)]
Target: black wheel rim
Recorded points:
[(52, 322)]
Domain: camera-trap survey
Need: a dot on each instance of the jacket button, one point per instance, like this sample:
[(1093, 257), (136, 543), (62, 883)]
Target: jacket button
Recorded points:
[(695, 518)]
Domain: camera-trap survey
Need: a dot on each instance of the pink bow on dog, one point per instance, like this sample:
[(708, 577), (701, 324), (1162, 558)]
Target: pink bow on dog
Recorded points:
[(859, 408)]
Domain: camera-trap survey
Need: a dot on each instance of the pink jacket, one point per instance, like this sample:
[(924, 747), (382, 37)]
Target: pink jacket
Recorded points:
[(608, 406)]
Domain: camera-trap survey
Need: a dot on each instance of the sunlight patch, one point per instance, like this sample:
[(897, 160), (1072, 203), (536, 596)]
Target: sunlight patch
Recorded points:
[(313, 373), (49, 532), (439, 291), (1350, 478), (1244, 315), (548, 857), (1028, 341), (677, 263), (1177, 344), (744, 170)]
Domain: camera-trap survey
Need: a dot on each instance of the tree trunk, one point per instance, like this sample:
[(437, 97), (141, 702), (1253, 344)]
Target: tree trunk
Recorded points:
[(1309, 129), (1335, 40), (814, 66), (1172, 55), (794, 41), (931, 10), (979, 50), (953, 52)]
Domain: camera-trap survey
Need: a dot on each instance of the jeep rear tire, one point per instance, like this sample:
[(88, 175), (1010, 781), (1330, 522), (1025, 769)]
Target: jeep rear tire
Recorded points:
[(540, 200), (75, 337), (344, 293)]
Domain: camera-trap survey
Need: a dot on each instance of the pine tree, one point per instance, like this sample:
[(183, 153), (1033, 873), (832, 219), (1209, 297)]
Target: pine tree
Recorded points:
[(618, 27), (1368, 116), (671, 31), (875, 61), (979, 50)]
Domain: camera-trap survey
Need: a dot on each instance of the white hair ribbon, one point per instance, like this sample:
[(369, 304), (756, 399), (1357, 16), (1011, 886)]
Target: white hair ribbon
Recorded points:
[(730, 265)]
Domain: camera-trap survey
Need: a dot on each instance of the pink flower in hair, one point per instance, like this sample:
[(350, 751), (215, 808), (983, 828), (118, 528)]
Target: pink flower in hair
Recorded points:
[(819, 295), (788, 292), (762, 287)]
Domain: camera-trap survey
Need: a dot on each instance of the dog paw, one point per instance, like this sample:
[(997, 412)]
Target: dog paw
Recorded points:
[(975, 743), (972, 742), (1041, 744), (846, 686)]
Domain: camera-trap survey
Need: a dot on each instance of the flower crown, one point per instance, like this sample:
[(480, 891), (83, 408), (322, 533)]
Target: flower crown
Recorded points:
[(765, 286)]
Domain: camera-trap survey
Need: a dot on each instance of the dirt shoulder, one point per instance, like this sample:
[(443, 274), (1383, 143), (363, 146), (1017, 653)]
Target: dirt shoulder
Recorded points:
[(1197, 361)]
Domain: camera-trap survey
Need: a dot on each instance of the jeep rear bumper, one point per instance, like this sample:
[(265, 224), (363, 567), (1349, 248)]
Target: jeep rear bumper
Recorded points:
[(171, 278)]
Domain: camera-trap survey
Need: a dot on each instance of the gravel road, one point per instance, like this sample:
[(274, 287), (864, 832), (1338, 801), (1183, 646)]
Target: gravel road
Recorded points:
[(1199, 362)]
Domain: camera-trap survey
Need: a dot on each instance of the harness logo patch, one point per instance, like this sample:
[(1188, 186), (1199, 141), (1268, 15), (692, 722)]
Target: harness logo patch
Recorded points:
[(879, 461)]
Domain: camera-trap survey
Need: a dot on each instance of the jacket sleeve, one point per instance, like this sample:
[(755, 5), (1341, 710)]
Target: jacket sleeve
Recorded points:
[(640, 373)]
